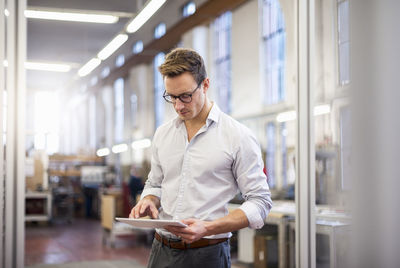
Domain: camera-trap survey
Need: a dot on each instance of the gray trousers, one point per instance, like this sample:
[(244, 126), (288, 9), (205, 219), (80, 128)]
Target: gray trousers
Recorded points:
[(215, 256)]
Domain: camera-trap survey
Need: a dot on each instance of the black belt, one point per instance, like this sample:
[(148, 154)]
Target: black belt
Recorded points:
[(182, 245)]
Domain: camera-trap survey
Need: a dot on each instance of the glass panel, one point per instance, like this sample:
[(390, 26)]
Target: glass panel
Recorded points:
[(332, 120), (275, 127)]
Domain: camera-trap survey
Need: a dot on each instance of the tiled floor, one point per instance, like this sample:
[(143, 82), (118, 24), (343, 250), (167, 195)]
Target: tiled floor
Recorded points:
[(79, 241)]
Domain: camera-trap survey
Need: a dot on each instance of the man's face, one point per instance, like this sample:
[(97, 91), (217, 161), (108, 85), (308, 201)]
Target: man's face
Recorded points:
[(185, 83)]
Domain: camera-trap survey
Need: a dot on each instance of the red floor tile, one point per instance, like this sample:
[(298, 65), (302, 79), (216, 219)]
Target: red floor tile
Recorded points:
[(79, 241)]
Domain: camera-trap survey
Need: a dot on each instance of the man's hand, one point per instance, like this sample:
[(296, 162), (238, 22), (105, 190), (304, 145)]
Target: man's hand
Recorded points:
[(195, 230), (148, 206)]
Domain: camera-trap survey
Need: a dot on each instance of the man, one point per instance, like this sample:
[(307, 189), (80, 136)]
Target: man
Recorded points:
[(199, 162)]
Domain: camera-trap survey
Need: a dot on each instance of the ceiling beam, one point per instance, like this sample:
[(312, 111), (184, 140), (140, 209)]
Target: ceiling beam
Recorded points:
[(204, 14)]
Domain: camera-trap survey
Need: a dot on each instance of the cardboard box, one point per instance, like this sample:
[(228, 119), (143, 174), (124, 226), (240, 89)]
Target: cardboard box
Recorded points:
[(35, 180), (111, 207), (265, 251)]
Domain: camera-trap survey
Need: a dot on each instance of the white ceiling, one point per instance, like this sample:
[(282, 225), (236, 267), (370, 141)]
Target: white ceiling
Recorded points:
[(70, 42)]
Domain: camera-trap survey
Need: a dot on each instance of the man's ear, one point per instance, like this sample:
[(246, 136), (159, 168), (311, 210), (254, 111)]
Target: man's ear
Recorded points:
[(206, 84)]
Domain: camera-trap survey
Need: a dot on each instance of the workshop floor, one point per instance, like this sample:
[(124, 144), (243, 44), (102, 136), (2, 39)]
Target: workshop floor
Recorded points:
[(80, 242)]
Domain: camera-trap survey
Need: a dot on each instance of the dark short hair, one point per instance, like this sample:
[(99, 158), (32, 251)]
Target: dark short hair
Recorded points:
[(181, 60)]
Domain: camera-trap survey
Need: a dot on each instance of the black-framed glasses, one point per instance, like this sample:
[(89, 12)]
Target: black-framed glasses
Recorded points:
[(185, 97)]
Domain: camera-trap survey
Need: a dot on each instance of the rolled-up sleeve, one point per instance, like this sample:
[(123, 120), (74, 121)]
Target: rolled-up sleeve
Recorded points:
[(153, 183), (252, 182)]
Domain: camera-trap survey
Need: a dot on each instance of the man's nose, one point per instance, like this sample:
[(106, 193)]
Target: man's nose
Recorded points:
[(179, 104)]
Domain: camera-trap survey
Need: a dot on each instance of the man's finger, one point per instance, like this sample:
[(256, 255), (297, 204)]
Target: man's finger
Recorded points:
[(154, 211), (189, 221), (143, 208)]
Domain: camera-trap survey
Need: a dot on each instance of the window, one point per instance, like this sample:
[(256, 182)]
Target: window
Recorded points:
[(93, 80), (158, 90), (188, 9), (270, 157), (343, 42), (46, 121), (120, 60), (137, 47), (105, 72), (92, 121), (134, 110), (119, 110), (222, 60), (273, 43), (160, 30)]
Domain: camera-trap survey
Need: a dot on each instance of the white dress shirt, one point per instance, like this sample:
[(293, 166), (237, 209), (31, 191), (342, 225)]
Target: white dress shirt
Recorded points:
[(197, 179)]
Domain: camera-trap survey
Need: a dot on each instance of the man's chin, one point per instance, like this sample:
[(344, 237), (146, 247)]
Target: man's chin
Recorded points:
[(184, 116)]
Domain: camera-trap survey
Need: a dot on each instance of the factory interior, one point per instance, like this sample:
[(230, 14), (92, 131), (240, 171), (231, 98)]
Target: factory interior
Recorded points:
[(82, 97)]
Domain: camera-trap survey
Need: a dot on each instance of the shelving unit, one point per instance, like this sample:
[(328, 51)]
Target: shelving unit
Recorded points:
[(46, 197)]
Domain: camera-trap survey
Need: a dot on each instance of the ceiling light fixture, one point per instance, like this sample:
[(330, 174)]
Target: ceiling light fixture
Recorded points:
[(49, 67), (144, 15), (112, 46), (6, 12), (89, 67), (141, 144), (119, 148), (70, 16), (5, 63), (103, 152)]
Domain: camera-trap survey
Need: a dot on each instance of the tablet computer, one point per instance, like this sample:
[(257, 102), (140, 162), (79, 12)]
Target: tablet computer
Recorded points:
[(151, 223)]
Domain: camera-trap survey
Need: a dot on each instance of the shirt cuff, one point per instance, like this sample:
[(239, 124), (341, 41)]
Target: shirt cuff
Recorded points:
[(253, 215), (151, 191)]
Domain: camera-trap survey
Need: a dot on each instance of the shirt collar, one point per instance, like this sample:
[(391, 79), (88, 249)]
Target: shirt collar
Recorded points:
[(213, 116)]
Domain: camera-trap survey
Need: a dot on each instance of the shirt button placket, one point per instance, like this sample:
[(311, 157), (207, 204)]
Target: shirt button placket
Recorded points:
[(182, 185)]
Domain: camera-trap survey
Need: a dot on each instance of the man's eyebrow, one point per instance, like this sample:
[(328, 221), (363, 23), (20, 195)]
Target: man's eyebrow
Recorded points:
[(179, 94)]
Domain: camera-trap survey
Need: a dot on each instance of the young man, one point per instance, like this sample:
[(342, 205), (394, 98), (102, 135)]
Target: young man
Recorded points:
[(199, 162)]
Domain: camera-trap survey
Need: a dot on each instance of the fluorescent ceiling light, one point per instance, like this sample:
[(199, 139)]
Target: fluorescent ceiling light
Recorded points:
[(5, 63), (144, 15), (71, 16), (112, 46), (119, 148), (286, 116), (322, 109), (89, 67), (50, 67), (103, 152), (141, 144), (6, 12)]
